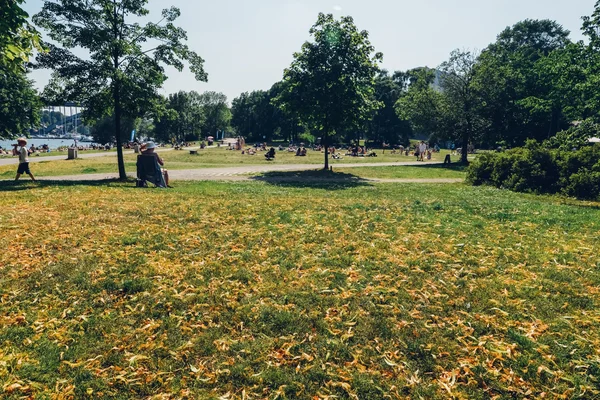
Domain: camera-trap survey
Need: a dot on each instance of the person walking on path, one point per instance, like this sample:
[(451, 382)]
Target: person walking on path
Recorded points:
[(23, 160)]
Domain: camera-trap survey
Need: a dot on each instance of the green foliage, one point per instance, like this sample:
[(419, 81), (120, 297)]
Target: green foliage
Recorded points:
[(253, 115), (182, 117), (574, 137), (463, 102), (447, 112), (119, 76), (259, 116), (18, 38), (584, 184), (537, 169), (516, 85), (422, 105), (19, 103), (103, 131), (216, 112), (331, 82), (385, 126), (190, 116), (307, 138)]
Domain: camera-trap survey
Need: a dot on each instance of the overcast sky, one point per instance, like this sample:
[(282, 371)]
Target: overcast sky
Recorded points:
[(248, 43)]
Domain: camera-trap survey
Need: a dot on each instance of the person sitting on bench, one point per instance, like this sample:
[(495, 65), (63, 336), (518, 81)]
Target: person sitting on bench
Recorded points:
[(149, 151)]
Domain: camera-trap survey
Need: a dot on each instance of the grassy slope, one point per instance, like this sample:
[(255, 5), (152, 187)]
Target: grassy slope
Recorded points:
[(250, 289)]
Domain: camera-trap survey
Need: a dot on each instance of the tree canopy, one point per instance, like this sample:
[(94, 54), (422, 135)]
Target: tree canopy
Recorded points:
[(19, 104), (331, 82), (190, 116), (515, 91), (119, 76), (385, 125), (18, 38), (19, 101)]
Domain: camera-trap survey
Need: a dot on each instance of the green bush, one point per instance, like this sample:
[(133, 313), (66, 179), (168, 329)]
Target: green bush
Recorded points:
[(575, 137), (537, 169), (584, 185)]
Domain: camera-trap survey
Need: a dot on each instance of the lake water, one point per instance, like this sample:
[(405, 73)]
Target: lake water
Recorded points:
[(52, 143)]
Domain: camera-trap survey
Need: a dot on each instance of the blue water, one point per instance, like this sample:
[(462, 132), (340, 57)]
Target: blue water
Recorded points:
[(52, 143)]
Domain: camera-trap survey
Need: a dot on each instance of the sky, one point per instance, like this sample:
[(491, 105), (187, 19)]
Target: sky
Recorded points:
[(247, 44)]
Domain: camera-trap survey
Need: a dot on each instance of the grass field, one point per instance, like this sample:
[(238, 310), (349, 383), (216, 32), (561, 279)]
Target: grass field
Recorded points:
[(251, 290), (424, 171), (208, 158)]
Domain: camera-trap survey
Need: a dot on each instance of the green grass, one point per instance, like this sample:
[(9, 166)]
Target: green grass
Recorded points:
[(408, 172), (297, 290), (208, 158)]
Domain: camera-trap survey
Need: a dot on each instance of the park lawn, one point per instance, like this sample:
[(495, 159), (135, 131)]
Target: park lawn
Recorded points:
[(425, 171), (252, 290), (207, 158), (80, 166), (222, 156)]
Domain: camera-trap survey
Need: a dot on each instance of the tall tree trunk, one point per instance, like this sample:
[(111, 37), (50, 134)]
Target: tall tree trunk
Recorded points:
[(118, 112), (117, 97)]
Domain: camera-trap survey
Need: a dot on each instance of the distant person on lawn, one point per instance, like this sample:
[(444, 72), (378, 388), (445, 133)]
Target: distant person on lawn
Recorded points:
[(23, 160), (149, 150)]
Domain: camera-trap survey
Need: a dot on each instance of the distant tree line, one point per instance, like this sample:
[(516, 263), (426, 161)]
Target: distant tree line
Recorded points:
[(533, 82)]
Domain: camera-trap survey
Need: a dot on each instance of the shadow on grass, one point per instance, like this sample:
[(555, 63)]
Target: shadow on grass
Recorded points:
[(27, 184), (451, 167), (322, 179)]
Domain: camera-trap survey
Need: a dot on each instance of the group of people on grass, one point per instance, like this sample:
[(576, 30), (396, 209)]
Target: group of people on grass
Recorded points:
[(422, 150), (359, 151)]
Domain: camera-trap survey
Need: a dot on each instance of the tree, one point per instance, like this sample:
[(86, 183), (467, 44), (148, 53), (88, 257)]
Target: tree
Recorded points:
[(422, 105), (285, 121), (182, 117), (215, 111), (331, 82), (18, 38), (462, 99), (103, 131), (19, 104), (589, 60), (514, 91), (119, 76), (144, 127), (254, 116), (386, 126)]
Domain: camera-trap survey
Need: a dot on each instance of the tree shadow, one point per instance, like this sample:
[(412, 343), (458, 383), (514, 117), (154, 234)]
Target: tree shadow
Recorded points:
[(450, 167), (26, 184), (321, 179)]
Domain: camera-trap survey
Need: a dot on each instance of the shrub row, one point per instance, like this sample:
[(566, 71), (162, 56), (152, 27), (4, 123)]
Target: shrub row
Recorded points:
[(536, 169)]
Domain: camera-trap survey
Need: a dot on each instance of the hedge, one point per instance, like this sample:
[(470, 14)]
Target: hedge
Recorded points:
[(536, 169)]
